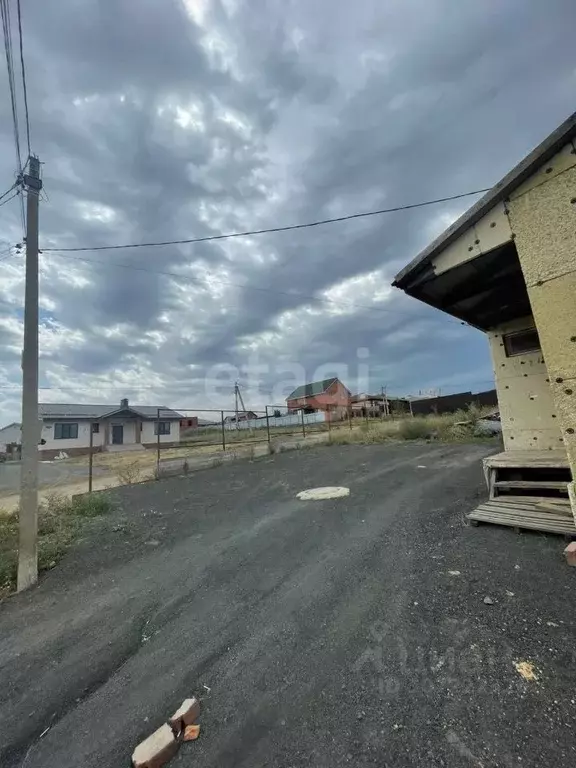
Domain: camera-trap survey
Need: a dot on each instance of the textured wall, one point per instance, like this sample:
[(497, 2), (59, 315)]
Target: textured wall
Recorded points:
[(527, 410), (543, 218)]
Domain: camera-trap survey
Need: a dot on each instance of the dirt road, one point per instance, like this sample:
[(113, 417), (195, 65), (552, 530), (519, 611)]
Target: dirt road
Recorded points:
[(349, 632)]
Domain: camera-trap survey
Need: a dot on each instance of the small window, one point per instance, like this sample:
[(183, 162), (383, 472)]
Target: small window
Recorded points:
[(65, 431), (162, 428), (95, 428), (521, 342)]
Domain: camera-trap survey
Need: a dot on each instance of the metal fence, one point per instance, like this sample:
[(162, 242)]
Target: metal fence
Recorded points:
[(198, 433)]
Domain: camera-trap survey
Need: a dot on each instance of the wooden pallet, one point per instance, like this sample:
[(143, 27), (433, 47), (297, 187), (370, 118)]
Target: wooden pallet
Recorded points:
[(526, 513), (536, 459), (530, 485)]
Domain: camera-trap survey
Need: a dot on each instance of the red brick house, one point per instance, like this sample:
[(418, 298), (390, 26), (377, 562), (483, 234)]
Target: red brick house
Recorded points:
[(328, 395)]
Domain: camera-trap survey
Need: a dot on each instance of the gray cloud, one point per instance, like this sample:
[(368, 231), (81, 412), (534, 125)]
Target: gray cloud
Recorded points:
[(184, 118)]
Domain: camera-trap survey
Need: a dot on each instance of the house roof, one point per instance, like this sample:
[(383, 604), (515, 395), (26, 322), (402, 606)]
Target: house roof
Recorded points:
[(13, 424), (314, 388), (81, 411), (499, 192)]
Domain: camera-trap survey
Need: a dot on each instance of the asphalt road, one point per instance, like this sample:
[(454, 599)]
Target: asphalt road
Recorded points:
[(350, 632), (49, 473)]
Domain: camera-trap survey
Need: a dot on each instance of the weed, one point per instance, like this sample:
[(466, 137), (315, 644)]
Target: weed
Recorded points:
[(60, 519), (129, 473)]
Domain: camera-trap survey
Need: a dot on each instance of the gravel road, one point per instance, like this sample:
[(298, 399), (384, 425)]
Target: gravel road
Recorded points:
[(345, 632)]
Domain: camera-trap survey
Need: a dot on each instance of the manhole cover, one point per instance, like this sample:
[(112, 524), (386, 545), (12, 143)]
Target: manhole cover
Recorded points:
[(328, 492)]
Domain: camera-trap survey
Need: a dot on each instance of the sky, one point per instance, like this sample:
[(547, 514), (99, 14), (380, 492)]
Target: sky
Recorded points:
[(173, 119)]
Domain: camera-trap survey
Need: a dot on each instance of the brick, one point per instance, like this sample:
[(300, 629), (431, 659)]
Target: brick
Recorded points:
[(157, 749), (191, 732), (186, 714), (570, 553)]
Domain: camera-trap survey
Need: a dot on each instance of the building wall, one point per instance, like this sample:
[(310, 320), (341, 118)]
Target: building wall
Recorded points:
[(455, 402), (527, 411), (335, 396), (83, 441), (11, 434), (542, 214), (148, 435)]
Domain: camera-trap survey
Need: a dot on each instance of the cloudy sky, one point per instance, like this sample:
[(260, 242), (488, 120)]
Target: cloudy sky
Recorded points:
[(170, 119)]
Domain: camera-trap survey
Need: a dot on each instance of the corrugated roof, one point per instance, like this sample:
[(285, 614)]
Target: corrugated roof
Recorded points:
[(314, 388), (82, 411)]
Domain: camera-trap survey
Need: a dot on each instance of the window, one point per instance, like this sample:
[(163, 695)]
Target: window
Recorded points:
[(95, 428), (162, 428), (521, 342), (65, 431)]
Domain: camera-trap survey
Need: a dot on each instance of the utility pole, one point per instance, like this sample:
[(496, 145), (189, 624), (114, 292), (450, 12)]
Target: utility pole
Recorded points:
[(28, 544)]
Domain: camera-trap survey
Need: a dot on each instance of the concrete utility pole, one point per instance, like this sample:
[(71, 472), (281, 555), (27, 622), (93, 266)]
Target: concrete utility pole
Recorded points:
[(28, 545)]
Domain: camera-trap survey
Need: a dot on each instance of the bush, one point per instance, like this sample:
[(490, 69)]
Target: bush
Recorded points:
[(416, 429), (129, 474)]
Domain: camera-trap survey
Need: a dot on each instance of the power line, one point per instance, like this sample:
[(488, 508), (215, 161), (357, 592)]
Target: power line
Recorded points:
[(261, 289), (16, 193), (288, 228), (8, 190), (23, 78), (123, 387), (7, 32)]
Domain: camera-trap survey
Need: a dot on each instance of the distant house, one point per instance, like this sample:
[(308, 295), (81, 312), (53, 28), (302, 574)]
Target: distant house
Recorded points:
[(66, 428), (328, 395), (10, 440), (242, 416), (11, 434)]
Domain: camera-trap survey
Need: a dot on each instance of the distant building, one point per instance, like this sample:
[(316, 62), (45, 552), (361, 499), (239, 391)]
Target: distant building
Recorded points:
[(242, 416), (328, 395), (10, 441), (11, 434), (66, 427)]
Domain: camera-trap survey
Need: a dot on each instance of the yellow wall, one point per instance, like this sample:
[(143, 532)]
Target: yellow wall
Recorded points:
[(529, 419), (542, 214)]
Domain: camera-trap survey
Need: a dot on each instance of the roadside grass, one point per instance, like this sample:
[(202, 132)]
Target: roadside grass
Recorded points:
[(60, 521), (446, 428)]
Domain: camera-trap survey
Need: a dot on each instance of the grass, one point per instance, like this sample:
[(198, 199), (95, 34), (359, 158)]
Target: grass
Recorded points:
[(444, 428), (60, 521)]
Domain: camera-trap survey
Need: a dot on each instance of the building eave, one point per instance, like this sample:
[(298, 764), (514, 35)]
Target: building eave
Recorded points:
[(565, 133)]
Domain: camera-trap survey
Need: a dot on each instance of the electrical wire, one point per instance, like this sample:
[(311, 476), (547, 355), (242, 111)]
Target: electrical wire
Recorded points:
[(123, 387), (290, 227), (10, 198), (23, 77), (7, 32), (8, 190), (260, 289)]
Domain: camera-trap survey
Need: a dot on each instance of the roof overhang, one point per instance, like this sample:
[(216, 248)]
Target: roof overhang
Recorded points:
[(472, 270)]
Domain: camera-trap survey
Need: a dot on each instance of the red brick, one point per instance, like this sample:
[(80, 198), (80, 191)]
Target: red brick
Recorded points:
[(157, 749), (186, 714), (570, 553)]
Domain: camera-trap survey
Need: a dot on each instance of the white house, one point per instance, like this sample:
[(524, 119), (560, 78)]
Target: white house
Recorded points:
[(66, 428), (10, 435)]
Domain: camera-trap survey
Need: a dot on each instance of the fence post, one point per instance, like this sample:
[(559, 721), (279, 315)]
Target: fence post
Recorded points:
[(329, 420), (267, 425), (410, 404), (90, 458), (158, 445), (303, 425), (349, 412), (223, 430)]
